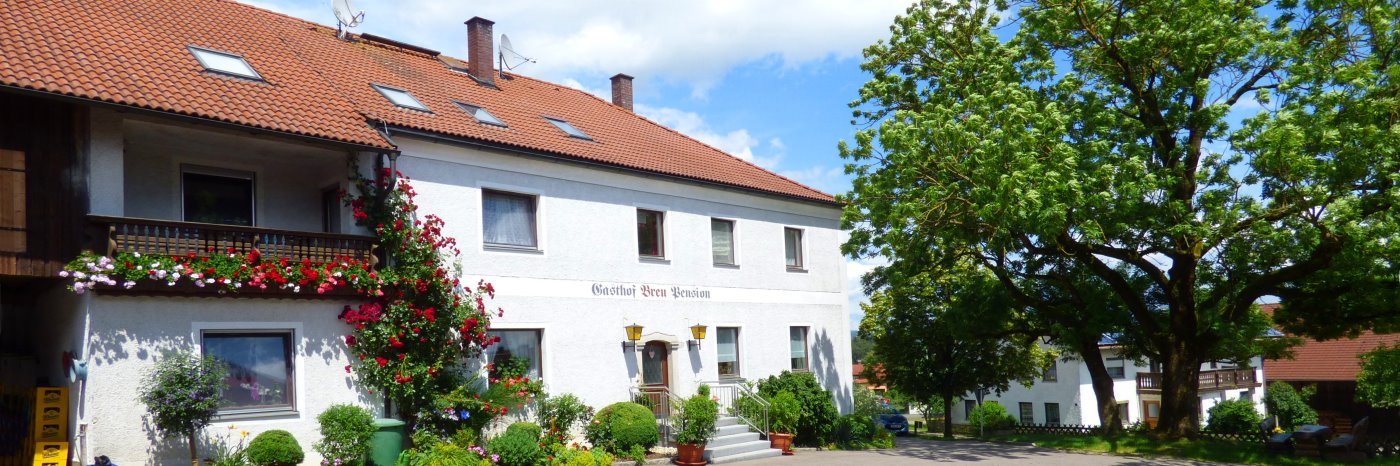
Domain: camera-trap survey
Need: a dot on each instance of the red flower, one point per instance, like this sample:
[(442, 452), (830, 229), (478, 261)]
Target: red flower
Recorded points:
[(350, 340), (347, 368), (381, 361)]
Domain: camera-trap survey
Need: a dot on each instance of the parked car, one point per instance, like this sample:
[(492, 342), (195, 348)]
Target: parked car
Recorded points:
[(894, 422)]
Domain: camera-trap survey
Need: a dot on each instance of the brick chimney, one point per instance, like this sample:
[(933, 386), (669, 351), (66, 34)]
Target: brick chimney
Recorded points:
[(481, 50), (622, 91)]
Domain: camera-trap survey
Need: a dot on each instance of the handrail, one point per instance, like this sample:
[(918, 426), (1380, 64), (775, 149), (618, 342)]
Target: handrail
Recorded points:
[(663, 404), (742, 403), (166, 237)]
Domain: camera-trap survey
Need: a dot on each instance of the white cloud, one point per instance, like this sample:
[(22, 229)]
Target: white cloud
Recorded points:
[(827, 179), (738, 143), (694, 43)]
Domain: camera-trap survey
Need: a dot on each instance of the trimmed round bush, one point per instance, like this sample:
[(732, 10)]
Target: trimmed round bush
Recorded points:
[(345, 433), (519, 445), (619, 427), (1233, 416), (990, 416), (275, 448)]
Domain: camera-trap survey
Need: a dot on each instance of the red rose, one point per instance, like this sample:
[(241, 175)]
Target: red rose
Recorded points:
[(381, 361)]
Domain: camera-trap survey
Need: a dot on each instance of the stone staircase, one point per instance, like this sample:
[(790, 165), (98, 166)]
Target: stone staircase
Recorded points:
[(733, 442)]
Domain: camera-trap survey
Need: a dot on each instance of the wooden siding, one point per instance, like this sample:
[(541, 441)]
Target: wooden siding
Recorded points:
[(43, 190)]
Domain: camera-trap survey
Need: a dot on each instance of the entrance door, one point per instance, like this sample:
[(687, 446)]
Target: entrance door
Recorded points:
[(656, 368), (1150, 411)]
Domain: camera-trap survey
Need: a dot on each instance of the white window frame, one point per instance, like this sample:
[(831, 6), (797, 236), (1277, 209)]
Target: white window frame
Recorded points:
[(663, 232), (560, 123), (546, 367), (1122, 363), (806, 344), (540, 334), (464, 106), (511, 191), (299, 366), (801, 249), (383, 91), (205, 170), (197, 51), (733, 242), (738, 353)]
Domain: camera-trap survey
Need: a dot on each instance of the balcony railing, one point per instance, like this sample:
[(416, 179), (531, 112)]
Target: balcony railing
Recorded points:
[(1151, 382), (171, 238)]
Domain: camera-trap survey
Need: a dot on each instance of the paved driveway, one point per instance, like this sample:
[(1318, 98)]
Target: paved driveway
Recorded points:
[(909, 451)]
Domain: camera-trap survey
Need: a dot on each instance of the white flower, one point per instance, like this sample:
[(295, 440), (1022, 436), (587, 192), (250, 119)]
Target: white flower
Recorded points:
[(238, 285), (161, 274), (296, 289), (170, 283), (79, 275), (178, 267), (196, 275), (199, 283), (209, 280), (63, 273), (155, 265), (137, 255), (336, 275), (129, 284), (109, 267), (79, 287), (140, 268)]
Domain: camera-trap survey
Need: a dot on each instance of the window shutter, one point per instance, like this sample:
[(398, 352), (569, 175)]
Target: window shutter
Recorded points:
[(13, 199)]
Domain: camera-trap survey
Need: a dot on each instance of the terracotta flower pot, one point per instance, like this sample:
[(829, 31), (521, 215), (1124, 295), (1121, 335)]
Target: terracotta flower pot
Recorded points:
[(781, 442), (690, 454)]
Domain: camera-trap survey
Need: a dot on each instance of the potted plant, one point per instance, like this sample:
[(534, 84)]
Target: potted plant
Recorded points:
[(697, 423), (783, 411)]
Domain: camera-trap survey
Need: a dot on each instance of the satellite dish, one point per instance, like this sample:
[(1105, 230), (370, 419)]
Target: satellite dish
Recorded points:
[(345, 16), (508, 55)]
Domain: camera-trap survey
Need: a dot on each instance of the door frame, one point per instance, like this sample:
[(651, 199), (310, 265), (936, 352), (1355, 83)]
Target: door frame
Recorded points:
[(665, 347), (1147, 418)]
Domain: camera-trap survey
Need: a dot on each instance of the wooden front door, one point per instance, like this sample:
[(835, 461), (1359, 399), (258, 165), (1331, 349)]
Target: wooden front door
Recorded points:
[(656, 368), (1150, 411)]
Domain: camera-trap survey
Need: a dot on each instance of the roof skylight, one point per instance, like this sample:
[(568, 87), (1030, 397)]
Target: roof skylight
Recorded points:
[(568, 128), (400, 97), (481, 114), (226, 63)]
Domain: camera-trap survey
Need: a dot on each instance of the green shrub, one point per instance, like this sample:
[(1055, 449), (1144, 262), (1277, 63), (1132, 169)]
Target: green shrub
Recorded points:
[(565, 456), (182, 394), (275, 448), (990, 416), (561, 414), (519, 445), (783, 412), (1289, 405), (818, 411), (697, 419), (1378, 383), (621, 426), (1233, 416), (345, 433), (854, 432), (439, 453), (868, 403)]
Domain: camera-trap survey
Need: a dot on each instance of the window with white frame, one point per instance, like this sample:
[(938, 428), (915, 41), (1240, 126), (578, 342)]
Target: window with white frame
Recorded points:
[(1052, 414), (728, 349), (1052, 373), (722, 241), (508, 220), (797, 342), (651, 233), (518, 353), (1115, 367), (792, 247), (261, 369), (213, 195), (224, 63)]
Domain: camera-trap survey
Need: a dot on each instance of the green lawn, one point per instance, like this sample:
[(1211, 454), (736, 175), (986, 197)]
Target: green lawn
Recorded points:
[(1207, 450)]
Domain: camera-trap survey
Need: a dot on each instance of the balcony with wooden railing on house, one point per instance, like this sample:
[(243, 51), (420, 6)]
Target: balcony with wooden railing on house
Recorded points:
[(175, 238), (1151, 382)]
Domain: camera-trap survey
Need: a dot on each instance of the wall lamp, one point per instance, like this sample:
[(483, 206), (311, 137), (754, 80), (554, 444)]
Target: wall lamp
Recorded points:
[(698, 332), (634, 333)]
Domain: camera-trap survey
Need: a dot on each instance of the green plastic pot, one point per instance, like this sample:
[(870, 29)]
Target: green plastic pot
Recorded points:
[(387, 442)]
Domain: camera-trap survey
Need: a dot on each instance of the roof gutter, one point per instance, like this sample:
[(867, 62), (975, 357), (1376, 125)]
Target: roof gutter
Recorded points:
[(125, 108), (598, 165)]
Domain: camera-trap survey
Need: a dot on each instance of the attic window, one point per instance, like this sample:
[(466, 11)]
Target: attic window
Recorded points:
[(482, 116), (226, 63), (568, 128), (400, 97)]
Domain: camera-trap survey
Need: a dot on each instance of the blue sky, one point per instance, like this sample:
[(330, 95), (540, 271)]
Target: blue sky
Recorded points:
[(766, 80)]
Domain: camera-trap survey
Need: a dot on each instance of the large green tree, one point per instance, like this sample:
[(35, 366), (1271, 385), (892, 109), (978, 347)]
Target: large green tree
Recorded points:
[(1378, 383), (1168, 163), (939, 338)]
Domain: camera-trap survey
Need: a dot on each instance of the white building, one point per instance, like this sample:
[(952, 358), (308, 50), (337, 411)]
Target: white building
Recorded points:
[(216, 120), (1064, 395)]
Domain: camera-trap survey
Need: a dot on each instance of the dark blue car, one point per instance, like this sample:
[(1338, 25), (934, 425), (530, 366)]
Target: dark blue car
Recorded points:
[(895, 423)]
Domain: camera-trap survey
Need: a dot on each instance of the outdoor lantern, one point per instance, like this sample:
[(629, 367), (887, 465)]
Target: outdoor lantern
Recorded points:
[(634, 333), (698, 332)]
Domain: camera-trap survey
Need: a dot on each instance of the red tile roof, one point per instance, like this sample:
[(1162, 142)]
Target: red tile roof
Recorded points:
[(134, 53), (1315, 361)]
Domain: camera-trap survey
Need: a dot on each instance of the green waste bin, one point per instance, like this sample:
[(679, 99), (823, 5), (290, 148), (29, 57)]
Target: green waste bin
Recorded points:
[(386, 443)]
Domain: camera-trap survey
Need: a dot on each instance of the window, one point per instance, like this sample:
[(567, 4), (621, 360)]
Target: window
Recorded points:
[(651, 235), (260, 369), (225, 63), (217, 196), (568, 128), (400, 97), (13, 208), (1123, 413), (722, 241), (481, 115), (508, 220), (1052, 414), (797, 339), (968, 407), (1027, 413), (1052, 373), (517, 354), (728, 351), (330, 209), (792, 242), (1115, 367)]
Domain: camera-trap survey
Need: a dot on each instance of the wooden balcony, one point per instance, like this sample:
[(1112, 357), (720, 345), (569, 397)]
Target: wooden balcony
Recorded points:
[(171, 238), (1151, 382)]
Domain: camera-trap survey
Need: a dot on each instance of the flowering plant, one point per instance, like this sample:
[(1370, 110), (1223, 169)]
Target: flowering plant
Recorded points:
[(226, 270), (182, 395), (226, 451)]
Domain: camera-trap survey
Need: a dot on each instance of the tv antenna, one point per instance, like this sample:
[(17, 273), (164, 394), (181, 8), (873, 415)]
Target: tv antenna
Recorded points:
[(508, 52), (346, 17)]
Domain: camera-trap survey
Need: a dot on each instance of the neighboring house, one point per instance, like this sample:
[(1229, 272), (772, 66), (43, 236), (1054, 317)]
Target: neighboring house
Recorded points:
[(1064, 395), (858, 372), (1332, 366), (165, 127)]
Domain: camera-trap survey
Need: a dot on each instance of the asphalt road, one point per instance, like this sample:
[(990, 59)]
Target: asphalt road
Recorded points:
[(910, 451)]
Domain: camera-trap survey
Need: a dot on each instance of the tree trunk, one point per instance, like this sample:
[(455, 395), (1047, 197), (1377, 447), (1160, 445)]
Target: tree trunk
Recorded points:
[(1181, 403), (1103, 387), (948, 416), (194, 451)]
